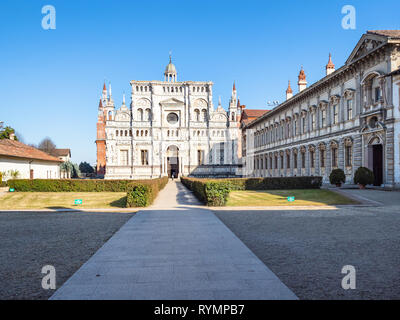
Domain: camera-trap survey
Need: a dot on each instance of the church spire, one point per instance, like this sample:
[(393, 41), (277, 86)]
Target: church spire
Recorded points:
[(289, 92), (330, 67)]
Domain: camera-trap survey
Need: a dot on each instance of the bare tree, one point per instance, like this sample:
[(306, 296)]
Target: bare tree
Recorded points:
[(47, 145)]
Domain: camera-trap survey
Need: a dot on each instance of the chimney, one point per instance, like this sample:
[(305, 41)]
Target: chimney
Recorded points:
[(302, 80), (12, 136), (289, 92), (330, 67)]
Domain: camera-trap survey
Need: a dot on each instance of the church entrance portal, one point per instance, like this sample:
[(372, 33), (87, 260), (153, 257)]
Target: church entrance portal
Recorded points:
[(173, 161)]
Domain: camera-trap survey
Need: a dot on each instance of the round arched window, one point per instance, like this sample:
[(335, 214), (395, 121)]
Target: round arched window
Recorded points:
[(172, 118)]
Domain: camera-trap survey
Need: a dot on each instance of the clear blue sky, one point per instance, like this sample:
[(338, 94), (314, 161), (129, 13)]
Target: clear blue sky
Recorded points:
[(50, 81)]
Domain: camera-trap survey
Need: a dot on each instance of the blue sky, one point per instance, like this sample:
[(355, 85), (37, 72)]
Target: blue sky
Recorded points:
[(51, 80)]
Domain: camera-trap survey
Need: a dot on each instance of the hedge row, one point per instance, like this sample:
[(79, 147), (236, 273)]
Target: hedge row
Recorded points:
[(215, 192), (143, 195), (140, 193), (72, 185)]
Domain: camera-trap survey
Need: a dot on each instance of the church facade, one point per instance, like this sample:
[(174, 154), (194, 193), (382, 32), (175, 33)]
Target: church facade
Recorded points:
[(170, 128), (349, 118)]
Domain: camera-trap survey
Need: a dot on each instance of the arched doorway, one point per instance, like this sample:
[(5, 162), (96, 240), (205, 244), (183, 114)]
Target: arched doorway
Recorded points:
[(375, 159), (173, 161)]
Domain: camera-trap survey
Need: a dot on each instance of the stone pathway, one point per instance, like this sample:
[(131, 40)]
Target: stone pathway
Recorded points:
[(175, 249)]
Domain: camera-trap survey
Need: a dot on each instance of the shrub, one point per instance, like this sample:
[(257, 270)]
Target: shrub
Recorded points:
[(1, 177), (363, 176), (215, 192), (72, 185), (337, 176), (139, 197)]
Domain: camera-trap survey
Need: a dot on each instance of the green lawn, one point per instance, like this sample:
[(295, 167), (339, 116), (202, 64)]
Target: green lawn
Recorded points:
[(308, 197), (46, 200)]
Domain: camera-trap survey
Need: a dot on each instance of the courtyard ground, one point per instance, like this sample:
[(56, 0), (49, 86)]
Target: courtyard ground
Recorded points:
[(305, 197), (31, 240), (54, 200), (307, 249)]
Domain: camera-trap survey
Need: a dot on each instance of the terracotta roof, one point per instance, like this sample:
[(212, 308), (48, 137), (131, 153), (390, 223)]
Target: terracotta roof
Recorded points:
[(17, 149), (289, 89), (302, 75), (330, 64), (386, 33), (104, 87), (251, 113), (60, 152)]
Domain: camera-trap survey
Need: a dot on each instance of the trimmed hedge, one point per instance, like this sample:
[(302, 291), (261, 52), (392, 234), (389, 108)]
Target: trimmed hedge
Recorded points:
[(140, 193), (215, 192), (77, 185), (337, 176), (363, 176)]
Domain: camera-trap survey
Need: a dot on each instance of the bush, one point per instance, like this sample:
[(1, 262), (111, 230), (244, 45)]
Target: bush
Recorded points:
[(139, 196), (337, 176), (72, 185), (214, 192), (363, 176)]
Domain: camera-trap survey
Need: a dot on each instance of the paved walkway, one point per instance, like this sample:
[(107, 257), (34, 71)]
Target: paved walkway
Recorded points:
[(176, 249)]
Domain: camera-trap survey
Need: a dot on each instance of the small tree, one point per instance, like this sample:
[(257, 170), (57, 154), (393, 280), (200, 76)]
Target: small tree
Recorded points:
[(14, 174), (47, 145), (75, 171), (67, 167), (85, 167), (363, 176), (337, 177), (6, 132)]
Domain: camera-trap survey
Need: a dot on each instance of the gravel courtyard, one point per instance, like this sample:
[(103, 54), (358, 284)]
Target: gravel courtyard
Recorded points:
[(307, 249), (28, 241)]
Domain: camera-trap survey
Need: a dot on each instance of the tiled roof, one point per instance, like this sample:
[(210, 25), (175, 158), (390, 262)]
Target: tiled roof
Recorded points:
[(60, 152), (251, 113), (17, 149), (386, 33)]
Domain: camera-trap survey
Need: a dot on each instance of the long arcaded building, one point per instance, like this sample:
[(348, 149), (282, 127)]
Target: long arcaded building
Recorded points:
[(349, 118)]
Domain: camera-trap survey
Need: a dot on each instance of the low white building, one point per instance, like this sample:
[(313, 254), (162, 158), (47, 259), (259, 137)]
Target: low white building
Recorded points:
[(29, 162)]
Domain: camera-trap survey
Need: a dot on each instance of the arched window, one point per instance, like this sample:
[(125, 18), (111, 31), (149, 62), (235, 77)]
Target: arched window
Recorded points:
[(140, 114), (204, 112), (197, 114), (116, 133), (348, 152), (109, 115), (148, 114), (334, 154), (322, 155)]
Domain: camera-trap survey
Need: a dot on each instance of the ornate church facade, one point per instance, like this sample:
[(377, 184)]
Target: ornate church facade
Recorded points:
[(169, 129), (349, 118)]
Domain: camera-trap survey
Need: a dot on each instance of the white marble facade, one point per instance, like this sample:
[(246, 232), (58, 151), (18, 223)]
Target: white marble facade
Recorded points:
[(170, 128)]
